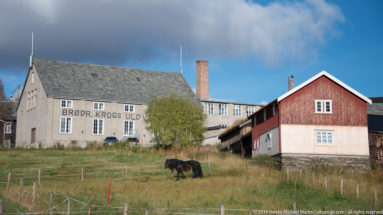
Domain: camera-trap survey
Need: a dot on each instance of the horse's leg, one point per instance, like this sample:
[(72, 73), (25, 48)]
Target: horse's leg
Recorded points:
[(178, 174)]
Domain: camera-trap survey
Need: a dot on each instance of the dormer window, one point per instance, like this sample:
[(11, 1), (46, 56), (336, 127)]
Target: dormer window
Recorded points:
[(323, 106)]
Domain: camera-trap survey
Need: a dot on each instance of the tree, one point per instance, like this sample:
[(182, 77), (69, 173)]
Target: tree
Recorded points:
[(2, 94), (175, 122), (5, 106)]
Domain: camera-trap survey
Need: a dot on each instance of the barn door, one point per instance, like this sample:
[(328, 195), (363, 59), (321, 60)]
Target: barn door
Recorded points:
[(33, 135)]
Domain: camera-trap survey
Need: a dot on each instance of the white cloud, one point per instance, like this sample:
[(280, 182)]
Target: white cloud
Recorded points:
[(117, 31)]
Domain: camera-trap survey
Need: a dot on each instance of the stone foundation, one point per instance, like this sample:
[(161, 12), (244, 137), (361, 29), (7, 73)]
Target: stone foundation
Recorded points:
[(324, 161)]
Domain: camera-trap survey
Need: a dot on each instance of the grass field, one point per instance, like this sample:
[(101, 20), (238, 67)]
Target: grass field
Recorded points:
[(138, 178)]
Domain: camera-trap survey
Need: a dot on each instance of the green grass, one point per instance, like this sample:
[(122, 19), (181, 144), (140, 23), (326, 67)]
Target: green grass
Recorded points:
[(149, 185)]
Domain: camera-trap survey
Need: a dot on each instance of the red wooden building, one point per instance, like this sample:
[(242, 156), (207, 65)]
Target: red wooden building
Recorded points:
[(322, 121)]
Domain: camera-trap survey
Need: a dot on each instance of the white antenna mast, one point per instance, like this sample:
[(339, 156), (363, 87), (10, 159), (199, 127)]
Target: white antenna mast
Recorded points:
[(181, 59), (30, 59)]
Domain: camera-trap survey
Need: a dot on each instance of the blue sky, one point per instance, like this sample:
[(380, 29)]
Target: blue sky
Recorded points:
[(345, 38)]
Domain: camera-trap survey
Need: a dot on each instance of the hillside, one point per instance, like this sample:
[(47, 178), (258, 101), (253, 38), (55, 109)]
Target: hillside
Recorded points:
[(139, 179)]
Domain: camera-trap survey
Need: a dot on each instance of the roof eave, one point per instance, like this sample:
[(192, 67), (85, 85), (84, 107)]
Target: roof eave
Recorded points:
[(324, 73)]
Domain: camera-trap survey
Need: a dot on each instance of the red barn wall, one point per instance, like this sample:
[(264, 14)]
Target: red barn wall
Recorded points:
[(347, 109)]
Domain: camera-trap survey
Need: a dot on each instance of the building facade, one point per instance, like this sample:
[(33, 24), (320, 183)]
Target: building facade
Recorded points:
[(220, 113), (320, 122), (64, 102)]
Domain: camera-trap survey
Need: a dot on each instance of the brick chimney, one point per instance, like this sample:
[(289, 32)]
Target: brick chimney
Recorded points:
[(202, 86), (291, 82)]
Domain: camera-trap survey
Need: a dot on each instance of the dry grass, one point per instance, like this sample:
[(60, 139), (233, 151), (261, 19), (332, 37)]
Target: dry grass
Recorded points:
[(232, 181)]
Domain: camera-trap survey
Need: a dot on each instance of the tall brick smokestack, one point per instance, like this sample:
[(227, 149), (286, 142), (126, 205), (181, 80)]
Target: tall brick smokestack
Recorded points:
[(291, 82), (202, 88)]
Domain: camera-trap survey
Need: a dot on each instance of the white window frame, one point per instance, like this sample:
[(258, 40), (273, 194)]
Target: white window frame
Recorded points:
[(67, 127), (209, 108), (250, 110), (222, 109), (322, 137), (66, 103), (8, 128), (237, 110), (99, 106), (269, 141), (98, 132), (129, 108), (127, 133), (323, 107)]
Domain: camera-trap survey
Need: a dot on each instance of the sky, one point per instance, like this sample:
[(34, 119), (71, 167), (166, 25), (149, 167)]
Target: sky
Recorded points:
[(252, 46)]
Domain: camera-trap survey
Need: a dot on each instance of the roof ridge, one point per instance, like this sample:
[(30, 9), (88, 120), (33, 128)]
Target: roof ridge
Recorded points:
[(109, 66)]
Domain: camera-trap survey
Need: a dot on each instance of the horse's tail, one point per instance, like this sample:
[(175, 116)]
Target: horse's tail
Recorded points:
[(198, 169)]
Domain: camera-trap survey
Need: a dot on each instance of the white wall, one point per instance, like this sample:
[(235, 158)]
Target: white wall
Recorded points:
[(347, 140), (264, 149)]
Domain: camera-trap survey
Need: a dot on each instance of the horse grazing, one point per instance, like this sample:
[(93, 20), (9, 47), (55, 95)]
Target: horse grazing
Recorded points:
[(171, 164), (182, 166)]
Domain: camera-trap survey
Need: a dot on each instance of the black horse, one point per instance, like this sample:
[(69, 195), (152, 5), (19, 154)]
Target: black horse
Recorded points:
[(172, 164), (181, 166)]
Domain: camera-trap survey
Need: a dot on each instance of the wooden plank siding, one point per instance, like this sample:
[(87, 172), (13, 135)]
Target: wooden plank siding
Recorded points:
[(263, 126), (347, 109)]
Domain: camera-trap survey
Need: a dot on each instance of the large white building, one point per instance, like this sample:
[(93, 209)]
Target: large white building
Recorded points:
[(65, 102)]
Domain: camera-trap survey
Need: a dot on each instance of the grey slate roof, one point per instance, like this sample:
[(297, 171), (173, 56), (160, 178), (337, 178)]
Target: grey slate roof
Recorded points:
[(375, 108), (108, 83)]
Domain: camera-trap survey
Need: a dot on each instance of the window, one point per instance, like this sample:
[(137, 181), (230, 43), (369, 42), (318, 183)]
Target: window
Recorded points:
[(257, 144), (324, 137), (250, 110), (323, 106), (129, 108), (222, 109), (98, 126), (273, 109), (255, 120), (98, 106), (66, 125), (33, 77), (209, 108), (264, 114), (8, 128), (268, 140), (128, 128), (237, 110), (66, 103)]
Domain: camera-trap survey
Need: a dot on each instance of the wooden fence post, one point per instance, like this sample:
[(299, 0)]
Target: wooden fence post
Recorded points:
[(222, 209), (89, 210), (147, 211), (126, 172), (68, 209), (1, 208), (51, 203), (126, 208), (38, 176), (287, 173), (82, 174), (9, 180), (313, 178), (300, 174), (295, 208), (376, 195), (209, 166), (33, 192), (341, 186), (357, 191), (325, 182), (21, 187)]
